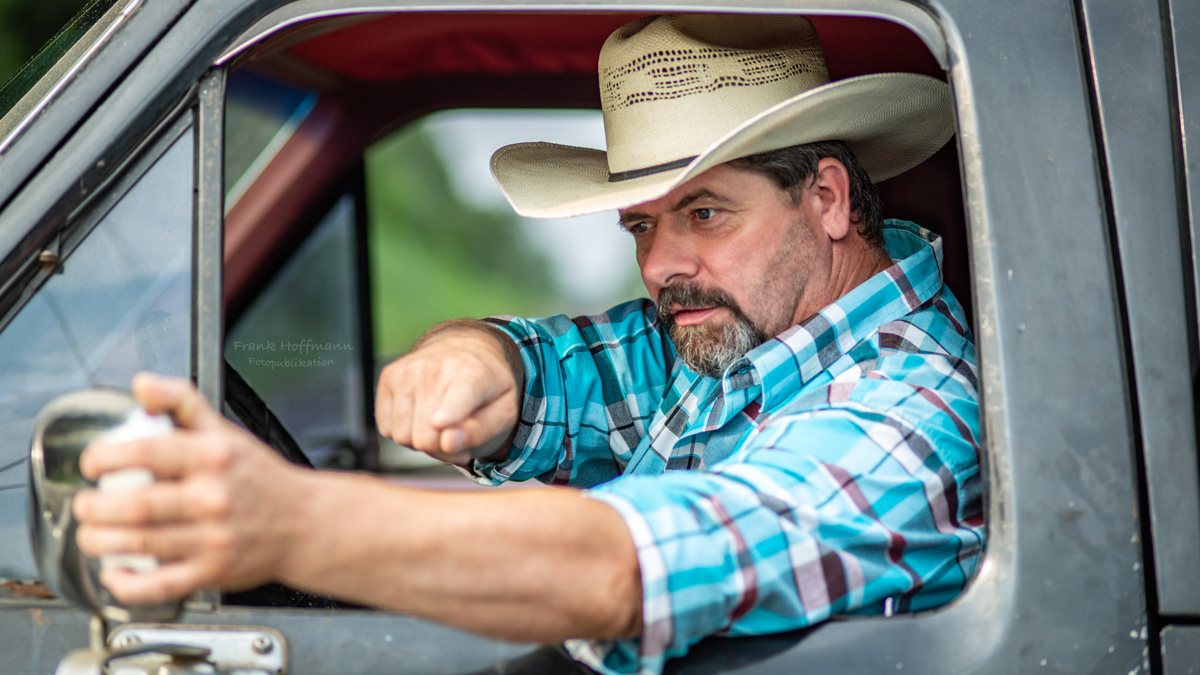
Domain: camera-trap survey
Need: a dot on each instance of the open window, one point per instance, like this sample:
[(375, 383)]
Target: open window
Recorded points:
[(337, 109)]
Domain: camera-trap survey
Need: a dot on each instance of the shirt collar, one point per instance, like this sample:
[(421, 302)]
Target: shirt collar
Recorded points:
[(794, 357)]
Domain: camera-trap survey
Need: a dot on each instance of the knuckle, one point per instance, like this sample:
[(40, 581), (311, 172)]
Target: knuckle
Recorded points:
[(221, 502), (141, 541), (141, 511), (222, 541), (213, 500), (220, 456)]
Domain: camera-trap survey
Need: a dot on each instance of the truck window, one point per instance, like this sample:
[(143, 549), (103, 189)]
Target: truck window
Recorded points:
[(119, 303)]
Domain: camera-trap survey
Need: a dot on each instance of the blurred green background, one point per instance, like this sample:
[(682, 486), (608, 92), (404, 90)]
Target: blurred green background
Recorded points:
[(436, 256)]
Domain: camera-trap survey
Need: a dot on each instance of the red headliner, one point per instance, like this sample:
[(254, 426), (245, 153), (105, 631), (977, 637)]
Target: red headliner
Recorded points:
[(399, 46), (419, 47)]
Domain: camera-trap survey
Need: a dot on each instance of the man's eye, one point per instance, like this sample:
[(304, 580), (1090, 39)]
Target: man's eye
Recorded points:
[(637, 228), (705, 214)]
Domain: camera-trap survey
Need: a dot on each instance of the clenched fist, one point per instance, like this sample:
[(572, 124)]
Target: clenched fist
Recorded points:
[(455, 396)]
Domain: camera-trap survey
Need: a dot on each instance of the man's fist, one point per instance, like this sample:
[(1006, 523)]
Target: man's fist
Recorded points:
[(455, 396)]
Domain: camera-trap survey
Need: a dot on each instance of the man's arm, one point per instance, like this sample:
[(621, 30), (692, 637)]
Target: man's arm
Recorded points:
[(592, 384), (455, 396), (538, 566)]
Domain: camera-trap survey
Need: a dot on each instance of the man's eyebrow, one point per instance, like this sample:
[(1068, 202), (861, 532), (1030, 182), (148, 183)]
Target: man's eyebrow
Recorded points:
[(624, 219), (703, 193)]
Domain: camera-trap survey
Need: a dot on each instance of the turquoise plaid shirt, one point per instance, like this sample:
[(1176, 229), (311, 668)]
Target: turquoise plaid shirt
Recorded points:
[(832, 470)]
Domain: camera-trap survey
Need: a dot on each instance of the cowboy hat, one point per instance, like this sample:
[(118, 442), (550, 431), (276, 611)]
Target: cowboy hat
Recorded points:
[(683, 93)]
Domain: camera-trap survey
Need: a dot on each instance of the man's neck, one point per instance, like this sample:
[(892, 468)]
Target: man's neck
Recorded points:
[(856, 262)]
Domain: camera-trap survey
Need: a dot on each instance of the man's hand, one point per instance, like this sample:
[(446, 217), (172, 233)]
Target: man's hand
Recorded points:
[(222, 511), (455, 396)]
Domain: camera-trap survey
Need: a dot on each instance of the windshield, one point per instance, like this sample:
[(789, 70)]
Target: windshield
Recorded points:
[(21, 94)]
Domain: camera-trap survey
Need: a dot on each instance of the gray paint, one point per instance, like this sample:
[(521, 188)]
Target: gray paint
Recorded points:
[(1136, 119), (1061, 587)]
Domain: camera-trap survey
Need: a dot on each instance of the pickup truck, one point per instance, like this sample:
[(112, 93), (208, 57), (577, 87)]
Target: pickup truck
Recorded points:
[(164, 162)]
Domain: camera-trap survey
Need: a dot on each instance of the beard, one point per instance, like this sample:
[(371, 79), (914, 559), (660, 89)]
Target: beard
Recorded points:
[(708, 348)]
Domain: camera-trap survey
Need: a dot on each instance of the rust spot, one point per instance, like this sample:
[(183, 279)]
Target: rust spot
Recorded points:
[(27, 589), (39, 618)]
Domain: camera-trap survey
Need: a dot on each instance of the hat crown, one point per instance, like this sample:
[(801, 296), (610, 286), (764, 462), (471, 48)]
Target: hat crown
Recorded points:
[(670, 86)]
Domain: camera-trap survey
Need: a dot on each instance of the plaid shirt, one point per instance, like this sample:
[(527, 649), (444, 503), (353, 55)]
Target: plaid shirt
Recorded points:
[(834, 467)]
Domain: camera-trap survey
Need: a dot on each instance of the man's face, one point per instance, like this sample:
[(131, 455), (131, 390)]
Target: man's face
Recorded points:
[(728, 258)]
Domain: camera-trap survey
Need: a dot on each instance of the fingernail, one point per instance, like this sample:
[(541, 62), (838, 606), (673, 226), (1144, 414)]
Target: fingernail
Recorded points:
[(456, 439), (149, 379), (80, 506)]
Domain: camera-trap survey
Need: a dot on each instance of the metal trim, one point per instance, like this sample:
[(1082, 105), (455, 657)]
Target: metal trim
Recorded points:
[(208, 248), (69, 75), (912, 17), (1135, 125)]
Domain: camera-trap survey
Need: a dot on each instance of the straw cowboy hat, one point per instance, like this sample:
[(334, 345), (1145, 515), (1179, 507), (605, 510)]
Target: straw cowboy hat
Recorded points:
[(684, 93)]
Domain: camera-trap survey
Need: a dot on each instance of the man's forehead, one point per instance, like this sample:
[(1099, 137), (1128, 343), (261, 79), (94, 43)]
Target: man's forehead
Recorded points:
[(716, 185), (675, 201), (710, 184)]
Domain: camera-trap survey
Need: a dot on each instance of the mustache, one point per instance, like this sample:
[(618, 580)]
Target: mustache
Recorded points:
[(692, 296)]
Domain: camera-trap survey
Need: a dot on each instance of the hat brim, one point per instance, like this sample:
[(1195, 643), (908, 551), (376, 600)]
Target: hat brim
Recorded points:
[(892, 122)]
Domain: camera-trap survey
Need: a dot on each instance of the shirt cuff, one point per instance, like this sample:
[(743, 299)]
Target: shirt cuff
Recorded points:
[(530, 430), (647, 654)]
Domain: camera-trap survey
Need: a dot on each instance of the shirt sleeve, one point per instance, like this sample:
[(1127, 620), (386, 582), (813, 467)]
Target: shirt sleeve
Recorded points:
[(591, 383), (834, 512)]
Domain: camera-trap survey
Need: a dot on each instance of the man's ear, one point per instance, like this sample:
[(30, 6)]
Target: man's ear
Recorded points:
[(831, 191)]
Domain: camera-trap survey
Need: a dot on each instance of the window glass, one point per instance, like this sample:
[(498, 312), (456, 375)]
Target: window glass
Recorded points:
[(260, 115), (298, 344), (120, 304)]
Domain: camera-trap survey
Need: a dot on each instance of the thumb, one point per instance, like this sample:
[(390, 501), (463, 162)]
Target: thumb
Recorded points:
[(176, 397)]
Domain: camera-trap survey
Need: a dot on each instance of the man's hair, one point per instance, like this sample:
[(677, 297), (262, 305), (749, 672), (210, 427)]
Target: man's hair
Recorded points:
[(794, 168)]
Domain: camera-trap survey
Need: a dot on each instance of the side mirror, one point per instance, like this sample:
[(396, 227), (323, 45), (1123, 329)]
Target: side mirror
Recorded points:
[(61, 432)]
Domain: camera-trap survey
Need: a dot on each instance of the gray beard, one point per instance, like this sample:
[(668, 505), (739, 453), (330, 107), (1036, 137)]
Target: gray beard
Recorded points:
[(707, 349)]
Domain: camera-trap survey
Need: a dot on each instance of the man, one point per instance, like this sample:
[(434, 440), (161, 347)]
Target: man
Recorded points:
[(804, 360)]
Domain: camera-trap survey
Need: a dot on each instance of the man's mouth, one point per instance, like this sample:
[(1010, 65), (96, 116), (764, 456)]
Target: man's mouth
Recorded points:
[(692, 316)]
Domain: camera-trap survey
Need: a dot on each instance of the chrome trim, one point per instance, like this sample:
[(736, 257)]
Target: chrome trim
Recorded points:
[(915, 18), (69, 75)]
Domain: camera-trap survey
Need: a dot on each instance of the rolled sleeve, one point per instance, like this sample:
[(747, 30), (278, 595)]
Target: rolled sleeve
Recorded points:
[(819, 514), (590, 384)]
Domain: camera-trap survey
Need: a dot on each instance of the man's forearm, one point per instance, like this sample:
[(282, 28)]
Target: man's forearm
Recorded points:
[(465, 559)]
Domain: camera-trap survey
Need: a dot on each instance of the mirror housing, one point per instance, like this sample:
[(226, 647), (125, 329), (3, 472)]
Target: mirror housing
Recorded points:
[(60, 433)]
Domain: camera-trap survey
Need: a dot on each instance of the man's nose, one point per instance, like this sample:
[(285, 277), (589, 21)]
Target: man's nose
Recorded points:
[(670, 257)]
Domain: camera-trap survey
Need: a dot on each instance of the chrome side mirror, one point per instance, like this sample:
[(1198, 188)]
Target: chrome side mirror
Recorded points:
[(61, 432)]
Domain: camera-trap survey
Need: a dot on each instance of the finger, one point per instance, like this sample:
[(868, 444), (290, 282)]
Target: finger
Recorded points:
[(171, 581), (163, 502), (452, 441), (401, 417), (462, 399), (423, 435), (176, 397), (383, 407), (497, 418), (172, 456), (169, 542)]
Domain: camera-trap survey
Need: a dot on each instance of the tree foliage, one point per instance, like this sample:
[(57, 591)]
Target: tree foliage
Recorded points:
[(434, 256)]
